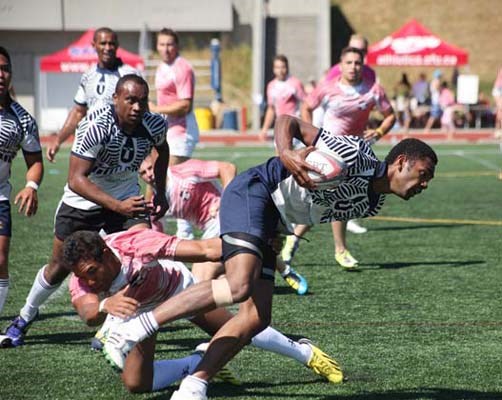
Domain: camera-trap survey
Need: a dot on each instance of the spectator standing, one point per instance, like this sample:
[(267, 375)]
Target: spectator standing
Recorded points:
[(435, 91)]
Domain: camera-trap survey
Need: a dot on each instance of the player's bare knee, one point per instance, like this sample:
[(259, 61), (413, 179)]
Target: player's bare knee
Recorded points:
[(241, 291)]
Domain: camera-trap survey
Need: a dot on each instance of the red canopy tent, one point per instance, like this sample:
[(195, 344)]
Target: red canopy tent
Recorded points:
[(414, 45), (79, 56)]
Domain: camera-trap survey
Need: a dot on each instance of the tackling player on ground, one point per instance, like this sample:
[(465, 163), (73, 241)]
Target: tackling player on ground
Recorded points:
[(135, 270)]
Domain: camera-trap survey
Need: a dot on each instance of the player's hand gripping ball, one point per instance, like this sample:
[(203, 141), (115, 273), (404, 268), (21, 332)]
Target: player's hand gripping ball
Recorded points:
[(334, 169)]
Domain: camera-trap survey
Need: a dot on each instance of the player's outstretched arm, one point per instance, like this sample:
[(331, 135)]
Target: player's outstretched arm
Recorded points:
[(226, 172), (27, 198), (74, 117), (198, 250)]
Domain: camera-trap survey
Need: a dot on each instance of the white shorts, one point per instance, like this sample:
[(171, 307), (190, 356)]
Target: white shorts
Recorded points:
[(184, 145), (187, 279)]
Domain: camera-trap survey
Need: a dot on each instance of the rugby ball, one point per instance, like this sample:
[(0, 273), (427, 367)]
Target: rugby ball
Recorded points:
[(332, 166)]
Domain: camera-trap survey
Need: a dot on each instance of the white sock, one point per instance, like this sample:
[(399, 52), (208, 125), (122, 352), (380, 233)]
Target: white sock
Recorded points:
[(192, 384), (4, 289), (39, 293), (140, 327), (166, 372), (272, 340)]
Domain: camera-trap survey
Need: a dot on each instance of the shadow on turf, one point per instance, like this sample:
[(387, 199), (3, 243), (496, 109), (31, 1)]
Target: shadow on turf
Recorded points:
[(248, 389), (286, 290), (394, 265), (421, 393)]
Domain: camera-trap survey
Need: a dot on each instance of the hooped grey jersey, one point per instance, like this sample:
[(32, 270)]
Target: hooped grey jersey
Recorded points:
[(116, 155), (18, 129), (97, 85)]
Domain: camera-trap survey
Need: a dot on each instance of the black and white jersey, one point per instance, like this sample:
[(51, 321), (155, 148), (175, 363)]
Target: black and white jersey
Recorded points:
[(97, 85), (353, 198), (116, 155), (18, 129)]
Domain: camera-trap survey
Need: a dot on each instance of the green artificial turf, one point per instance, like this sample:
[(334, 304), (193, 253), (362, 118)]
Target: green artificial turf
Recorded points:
[(421, 320)]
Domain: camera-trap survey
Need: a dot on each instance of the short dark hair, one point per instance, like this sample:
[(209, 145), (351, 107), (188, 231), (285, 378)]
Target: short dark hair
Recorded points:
[(413, 149), (283, 58), (130, 77), (5, 53), (104, 29), (347, 50), (81, 246), (169, 32)]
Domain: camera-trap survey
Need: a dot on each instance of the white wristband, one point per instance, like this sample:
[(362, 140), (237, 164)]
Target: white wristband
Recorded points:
[(102, 306), (32, 184)]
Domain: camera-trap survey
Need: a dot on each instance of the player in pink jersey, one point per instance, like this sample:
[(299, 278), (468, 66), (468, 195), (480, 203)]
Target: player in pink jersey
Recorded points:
[(348, 101), (193, 190), (132, 271), (284, 94), (175, 85), (368, 73)]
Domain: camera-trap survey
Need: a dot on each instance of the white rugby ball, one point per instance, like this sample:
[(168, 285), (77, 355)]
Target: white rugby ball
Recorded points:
[(333, 168)]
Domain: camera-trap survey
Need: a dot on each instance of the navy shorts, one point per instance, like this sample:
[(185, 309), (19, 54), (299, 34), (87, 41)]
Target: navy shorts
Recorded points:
[(247, 208), (5, 219), (70, 219)]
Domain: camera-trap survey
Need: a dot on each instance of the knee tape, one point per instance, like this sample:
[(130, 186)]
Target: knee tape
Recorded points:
[(222, 295)]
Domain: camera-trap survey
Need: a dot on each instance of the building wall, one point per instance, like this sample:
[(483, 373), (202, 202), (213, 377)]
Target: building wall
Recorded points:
[(33, 28)]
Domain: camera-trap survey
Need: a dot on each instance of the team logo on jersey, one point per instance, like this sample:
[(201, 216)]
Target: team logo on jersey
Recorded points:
[(100, 87), (128, 151), (185, 195)]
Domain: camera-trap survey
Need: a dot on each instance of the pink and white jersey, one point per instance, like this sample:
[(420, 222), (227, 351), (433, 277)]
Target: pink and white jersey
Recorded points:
[(347, 108), (285, 96), (174, 82), (146, 265), (193, 190), (368, 74)]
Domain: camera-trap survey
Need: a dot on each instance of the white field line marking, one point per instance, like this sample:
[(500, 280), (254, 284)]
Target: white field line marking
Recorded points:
[(464, 174), (480, 161), (439, 221)]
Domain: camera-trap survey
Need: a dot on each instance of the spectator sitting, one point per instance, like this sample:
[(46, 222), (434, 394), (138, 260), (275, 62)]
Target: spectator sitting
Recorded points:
[(402, 93)]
